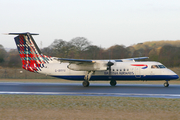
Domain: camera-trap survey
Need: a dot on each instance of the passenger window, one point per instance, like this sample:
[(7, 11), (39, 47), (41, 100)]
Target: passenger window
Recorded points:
[(120, 70), (116, 69), (124, 69), (127, 69)]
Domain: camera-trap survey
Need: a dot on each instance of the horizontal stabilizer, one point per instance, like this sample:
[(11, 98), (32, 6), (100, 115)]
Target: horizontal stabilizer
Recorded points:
[(27, 33)]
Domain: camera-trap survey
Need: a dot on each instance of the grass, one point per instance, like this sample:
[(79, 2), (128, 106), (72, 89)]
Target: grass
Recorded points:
[(47, 107)]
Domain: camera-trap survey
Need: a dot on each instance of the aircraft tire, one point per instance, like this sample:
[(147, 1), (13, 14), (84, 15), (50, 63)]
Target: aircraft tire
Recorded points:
[(113, 82), (166, 84), (85, 83)]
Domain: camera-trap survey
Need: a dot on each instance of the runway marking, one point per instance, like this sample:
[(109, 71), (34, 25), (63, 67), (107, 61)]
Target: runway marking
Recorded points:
[(95, 94)]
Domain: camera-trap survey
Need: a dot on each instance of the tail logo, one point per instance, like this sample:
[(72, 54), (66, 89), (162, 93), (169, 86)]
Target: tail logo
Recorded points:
[(30, 55)]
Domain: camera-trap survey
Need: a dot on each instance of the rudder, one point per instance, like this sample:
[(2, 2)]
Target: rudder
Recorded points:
[(30, 54)]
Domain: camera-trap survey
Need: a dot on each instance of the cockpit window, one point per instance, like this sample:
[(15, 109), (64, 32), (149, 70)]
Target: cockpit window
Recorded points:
[(154, 66), (158, 66), (161, 66)]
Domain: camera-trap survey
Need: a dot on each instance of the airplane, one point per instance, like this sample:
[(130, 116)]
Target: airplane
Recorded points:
[(88, 70)]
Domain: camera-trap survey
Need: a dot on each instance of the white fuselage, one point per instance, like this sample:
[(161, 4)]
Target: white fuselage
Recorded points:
[(119, 71)]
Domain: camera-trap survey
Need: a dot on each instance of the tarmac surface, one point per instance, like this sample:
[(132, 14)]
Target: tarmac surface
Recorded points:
[(76, 89)]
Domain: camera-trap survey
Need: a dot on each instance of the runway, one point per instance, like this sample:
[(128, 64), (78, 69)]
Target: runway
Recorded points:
[(123, 90)]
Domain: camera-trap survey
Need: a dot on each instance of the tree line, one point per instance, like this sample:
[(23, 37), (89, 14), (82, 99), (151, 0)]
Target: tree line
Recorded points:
[(166, 52)]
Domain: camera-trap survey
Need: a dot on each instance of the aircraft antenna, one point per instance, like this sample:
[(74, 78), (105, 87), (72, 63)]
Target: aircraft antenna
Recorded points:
[(41, 45)]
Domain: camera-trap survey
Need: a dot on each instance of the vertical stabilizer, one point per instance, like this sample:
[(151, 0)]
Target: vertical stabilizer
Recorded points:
[(30, 54)]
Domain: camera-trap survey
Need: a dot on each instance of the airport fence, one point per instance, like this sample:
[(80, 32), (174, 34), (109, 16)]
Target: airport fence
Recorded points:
[(11, 73)]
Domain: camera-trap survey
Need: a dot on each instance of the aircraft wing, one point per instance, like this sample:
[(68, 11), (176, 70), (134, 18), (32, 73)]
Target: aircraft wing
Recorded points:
[(133, 59), (93, 65), (78, 61), (75, 61)]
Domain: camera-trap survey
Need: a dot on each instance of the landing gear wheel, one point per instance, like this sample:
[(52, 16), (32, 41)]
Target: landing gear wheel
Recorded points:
[(113, 83), (166, 84), (85, 83)]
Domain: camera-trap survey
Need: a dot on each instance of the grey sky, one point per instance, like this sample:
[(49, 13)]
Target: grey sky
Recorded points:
[(104, 22)]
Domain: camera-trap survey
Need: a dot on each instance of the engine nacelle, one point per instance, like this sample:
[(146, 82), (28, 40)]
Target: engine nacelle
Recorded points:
[(88, 66)]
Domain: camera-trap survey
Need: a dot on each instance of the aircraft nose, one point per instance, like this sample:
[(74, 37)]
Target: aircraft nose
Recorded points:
[(175, 76), (171, 75)]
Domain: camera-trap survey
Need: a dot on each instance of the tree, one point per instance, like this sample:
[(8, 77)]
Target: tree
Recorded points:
[(48, 51), (116, 52), (2, 54), (154, 54), (13, 59), (59, 48), (92, 52), (80, 43), (169, 55)]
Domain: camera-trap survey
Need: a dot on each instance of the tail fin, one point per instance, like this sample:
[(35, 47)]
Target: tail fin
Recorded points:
[(30, 54)]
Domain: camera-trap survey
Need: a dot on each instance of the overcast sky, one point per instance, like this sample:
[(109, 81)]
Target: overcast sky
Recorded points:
[(103, 22)]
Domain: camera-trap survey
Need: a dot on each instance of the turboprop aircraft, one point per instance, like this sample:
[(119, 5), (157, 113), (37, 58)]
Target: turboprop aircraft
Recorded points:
[(88, 70)]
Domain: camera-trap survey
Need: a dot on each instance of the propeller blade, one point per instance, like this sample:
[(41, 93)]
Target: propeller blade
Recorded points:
[(109, 64)]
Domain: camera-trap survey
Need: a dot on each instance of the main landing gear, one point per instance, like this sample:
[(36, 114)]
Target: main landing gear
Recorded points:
[(113, 82), (166, 84), (87, 78), (85, 83)]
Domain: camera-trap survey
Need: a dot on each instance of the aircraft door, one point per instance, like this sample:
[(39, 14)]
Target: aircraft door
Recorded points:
[(137, 72)]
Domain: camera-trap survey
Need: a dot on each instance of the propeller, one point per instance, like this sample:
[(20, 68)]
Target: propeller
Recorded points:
[(109, 64)]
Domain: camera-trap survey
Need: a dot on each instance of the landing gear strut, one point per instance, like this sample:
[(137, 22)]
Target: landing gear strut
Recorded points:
[(113, 82), (166, 84), (87, 78)]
